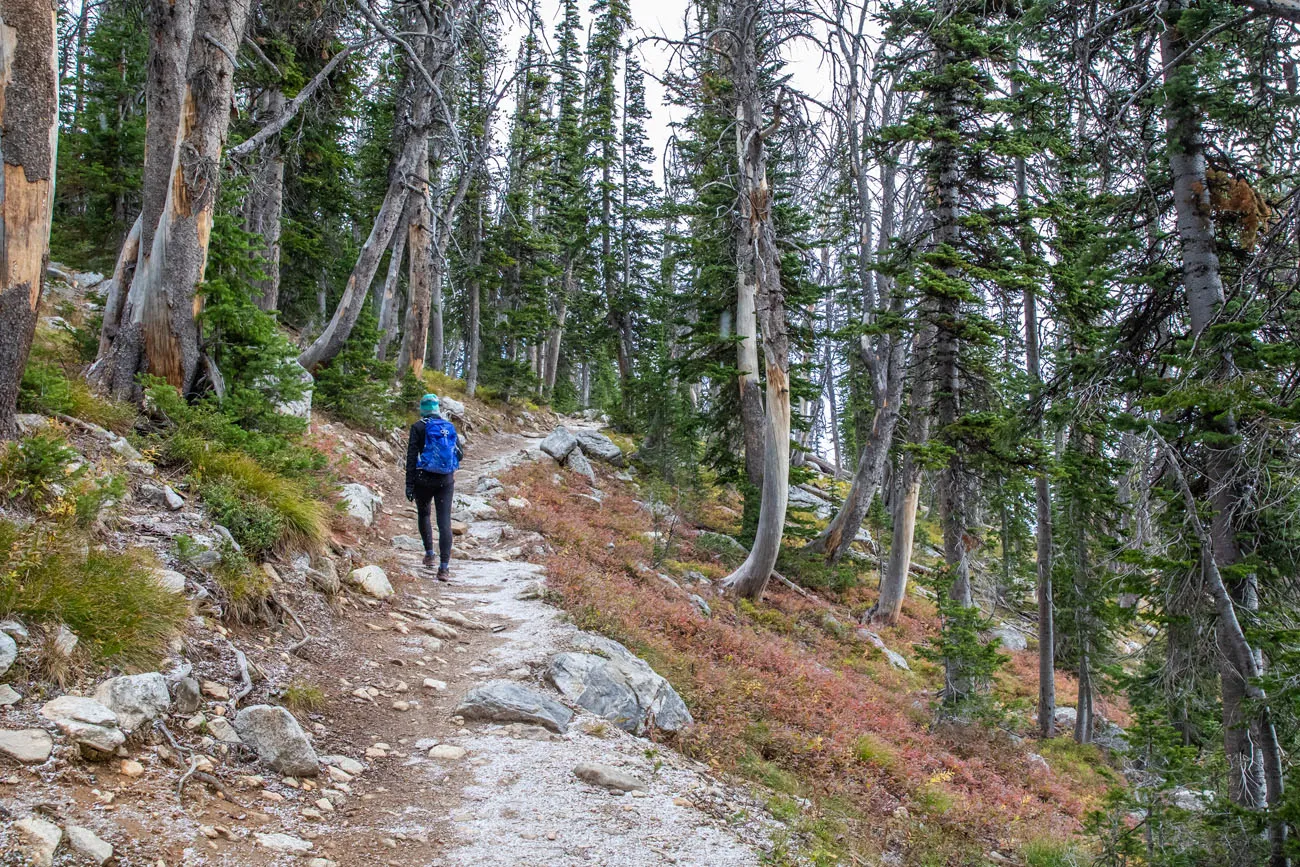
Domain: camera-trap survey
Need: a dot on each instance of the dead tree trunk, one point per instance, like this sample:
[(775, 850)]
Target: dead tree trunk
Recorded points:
[(388, 319), (412, 133), (415, 336), (265, 202), (29, 128), (160, 329), (119, 284), (759, 256)]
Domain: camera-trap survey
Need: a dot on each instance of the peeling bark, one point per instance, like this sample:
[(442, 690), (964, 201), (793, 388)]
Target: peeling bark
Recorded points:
[(419, 242), (265, 202), (119, 285), (29, 118)]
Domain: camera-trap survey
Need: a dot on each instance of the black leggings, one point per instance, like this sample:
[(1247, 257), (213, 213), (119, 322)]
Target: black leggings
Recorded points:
[(435, 488)]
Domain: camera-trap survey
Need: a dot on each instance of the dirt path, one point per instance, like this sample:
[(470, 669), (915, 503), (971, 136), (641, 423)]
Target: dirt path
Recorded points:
[(502, 794)]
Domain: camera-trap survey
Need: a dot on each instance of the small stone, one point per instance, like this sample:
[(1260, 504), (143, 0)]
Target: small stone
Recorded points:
[(130, 768), (65, 641), (8, 695), (170, 580), (347, 765), (186, 695), (88, 844), (40, 840), (325, 805), (273, 797), (15, 630), (135, 698), (321, 862), (30, 746), (438, 685), (8, 652), (174, 501), (339, 775), (447, 752), (376, 753), (371, 580), (278, 740), (221, 729), (284, 843), (401, 705), (607, 777), (194, 722), (216, 691)]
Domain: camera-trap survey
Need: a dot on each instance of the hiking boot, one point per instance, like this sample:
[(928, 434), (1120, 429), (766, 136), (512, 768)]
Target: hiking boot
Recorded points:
[(430, 560), (444, 574)]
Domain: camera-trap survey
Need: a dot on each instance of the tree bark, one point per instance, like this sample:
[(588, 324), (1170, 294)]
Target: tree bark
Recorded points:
[(751, 392), (419, 242), (388, 319), (265, 202), (29, 127), (160, 328), (119, 285), (759, 248)]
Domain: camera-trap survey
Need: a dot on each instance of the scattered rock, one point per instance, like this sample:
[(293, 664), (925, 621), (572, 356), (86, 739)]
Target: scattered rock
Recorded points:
[(371, 580), (408, 543), (1011, 637), (284, 843), (185, 692), (65, 641), (87, 844), (125, 449), (531, 590), (87, 723), (40, 840), (1191, 800), (8, 695), (894, 657), (221, 729), (436, 629), (720, 543), (16, 631), (216, 691), (608, 778), (278, 740), (447, 752), (600, 447), (518, 503), (347, 765), (30, 423), (506, 701), (170, 580), (451, 407), (578, 462), (560, 442), (361, 503), (8, 652), (804, 500), (612, 682), (698, 601), (135, 698), (1039, 762), (435, 685), (130, 768), (488, 485), (291, 371), (30, 746)]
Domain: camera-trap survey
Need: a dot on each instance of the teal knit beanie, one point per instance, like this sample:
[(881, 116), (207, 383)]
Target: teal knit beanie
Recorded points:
[(428, 405)]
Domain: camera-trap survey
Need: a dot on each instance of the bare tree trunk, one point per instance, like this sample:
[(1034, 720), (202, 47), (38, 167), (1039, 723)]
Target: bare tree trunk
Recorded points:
[(751, 392), (893, 584), (415, 336), (551, 363), (759, 253), (265, 202), (29, 120), (412, 134), (388, 319), (119, 285), (160, 329), (473, 348)]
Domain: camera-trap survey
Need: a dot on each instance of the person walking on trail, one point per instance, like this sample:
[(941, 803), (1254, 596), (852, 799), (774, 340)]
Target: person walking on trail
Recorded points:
[(432, 457)]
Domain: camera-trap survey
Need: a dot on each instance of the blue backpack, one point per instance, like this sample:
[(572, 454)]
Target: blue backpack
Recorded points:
[(441, 454)]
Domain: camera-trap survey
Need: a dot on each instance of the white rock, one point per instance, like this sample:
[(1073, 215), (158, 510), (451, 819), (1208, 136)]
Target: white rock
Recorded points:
[(8, 695), (30, 746), (8, 652), (65, 641), (1011, 637), (284, 843), (87, 723), (371, 580), (169, 580), (16, 631), (175, 502), (221, 729), (447, 751), (348, 765), (361, 502), (452, 407), (408, 543), (560, 442), (300, 408), (40, 840), (125, 449), (894, 657), (135, 699), (87, 843), (577, 461)]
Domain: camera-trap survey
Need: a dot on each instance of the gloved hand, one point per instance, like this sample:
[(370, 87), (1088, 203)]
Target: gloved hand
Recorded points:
[(410, 495)]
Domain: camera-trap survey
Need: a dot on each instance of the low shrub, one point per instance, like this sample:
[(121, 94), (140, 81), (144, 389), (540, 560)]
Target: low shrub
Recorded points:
[(43, 474), (302, 696), (110, 600), (243, 589), (256, 526)]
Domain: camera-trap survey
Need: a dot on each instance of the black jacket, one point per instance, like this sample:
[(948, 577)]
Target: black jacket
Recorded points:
[(414, 446)]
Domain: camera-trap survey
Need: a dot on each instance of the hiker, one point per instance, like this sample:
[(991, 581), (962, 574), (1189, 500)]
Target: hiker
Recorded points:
[(432, 456)]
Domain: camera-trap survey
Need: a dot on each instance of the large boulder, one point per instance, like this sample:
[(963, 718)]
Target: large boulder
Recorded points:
[(560, 442), (87, 723), (8, 652), (807, 501), (600, 447), (290, 374), (371, 580), (361, 503), (1011, 637), (135, 698), (507, 701), (612, 682), (893, 657), (277, 739)]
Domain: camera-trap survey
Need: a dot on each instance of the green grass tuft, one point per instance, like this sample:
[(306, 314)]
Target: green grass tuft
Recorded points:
[(302, 696), (1052, 853), (47, 389), (110, 600)]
